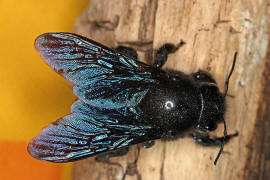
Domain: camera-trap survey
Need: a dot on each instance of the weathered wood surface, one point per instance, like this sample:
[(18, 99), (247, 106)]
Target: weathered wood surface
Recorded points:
[(213, 31)]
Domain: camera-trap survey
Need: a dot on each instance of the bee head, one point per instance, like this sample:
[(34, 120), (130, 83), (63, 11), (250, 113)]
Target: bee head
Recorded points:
[(216, 102), (212, 107)]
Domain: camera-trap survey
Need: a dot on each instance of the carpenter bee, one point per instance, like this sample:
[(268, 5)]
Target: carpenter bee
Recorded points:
[(122, 101)]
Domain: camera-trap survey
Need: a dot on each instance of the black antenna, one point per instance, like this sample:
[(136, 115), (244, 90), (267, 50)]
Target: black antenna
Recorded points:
[(225, 94)]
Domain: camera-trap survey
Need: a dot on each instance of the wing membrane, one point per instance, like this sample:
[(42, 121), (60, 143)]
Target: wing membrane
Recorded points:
[(89, 131), (101, 76)]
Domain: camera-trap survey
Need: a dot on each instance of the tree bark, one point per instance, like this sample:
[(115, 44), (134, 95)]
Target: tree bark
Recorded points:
[(213, 31)]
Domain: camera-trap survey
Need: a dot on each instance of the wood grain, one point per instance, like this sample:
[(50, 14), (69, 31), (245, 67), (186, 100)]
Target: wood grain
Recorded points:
[(213, 31)]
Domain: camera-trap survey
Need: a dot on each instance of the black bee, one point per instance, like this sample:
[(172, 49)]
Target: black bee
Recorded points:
[(122, 101)]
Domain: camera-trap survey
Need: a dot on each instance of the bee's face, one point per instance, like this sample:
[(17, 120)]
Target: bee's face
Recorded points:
[(213, 107)]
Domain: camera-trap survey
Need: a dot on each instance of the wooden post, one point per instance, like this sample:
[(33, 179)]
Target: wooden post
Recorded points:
[(213, 31)]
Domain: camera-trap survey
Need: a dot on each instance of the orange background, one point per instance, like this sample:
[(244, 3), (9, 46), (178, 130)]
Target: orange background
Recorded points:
[(31, 94)]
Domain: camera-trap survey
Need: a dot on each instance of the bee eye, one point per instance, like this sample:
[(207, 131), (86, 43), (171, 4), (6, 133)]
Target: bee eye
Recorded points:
[(211, 126), (169, 105)]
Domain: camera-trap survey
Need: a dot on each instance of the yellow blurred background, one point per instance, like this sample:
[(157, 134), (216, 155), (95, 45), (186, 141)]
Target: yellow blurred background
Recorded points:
[(31, 94)]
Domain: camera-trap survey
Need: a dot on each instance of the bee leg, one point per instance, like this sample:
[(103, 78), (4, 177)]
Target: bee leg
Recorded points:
[(203, 76), (148, 144), (162, 53), (205, 140), (130, 52), (116, 153)]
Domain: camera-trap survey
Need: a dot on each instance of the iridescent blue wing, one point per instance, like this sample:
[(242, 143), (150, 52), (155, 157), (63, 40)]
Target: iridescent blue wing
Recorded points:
[(101, 76), (88, 131)]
